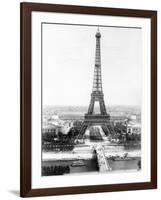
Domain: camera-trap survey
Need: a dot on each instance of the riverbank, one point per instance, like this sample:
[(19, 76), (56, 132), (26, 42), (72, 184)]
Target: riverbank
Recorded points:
[(86, 153)]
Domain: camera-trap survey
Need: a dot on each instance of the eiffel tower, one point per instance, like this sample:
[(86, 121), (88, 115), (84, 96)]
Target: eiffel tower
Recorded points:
[(97, 95)]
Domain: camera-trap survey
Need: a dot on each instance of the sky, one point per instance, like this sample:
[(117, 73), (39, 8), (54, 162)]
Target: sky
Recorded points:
[(68, 56)]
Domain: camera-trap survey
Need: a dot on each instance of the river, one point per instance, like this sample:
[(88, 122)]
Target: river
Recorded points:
[(85, 154)]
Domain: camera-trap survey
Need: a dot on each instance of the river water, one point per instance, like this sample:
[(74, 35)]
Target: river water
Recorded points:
[(90, 162)]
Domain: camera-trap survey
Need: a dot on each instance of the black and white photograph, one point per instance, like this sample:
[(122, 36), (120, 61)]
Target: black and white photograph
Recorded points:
[(91, 99), (88, 99)]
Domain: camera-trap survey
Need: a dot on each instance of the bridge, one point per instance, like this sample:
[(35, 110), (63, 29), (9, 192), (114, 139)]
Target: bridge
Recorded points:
[(101, 159)]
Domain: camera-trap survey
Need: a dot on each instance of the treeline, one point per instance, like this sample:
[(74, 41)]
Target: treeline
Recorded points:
[(55, 170), (57, 147)]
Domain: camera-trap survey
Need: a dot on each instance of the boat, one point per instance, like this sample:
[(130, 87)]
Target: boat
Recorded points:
[(123, 159), (78, 163)]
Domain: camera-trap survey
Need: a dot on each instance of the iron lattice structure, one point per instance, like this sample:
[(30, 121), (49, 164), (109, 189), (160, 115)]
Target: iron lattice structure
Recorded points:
[(97, 95)]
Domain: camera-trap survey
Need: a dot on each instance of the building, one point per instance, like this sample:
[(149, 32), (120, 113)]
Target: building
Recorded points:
[(133, 127)]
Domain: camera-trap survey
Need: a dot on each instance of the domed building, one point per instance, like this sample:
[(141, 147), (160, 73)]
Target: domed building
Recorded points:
[(133, 126)]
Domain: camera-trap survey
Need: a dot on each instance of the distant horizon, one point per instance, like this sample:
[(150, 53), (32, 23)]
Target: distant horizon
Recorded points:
[(123, 105)]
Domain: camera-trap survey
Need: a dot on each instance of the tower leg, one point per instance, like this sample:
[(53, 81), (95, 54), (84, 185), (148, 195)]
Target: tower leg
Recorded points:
[(102, 106), (91, 106), (82, 130), (105, 129)]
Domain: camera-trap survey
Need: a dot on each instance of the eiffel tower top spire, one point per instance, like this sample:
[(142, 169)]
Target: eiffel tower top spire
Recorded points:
[(97, 80)]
